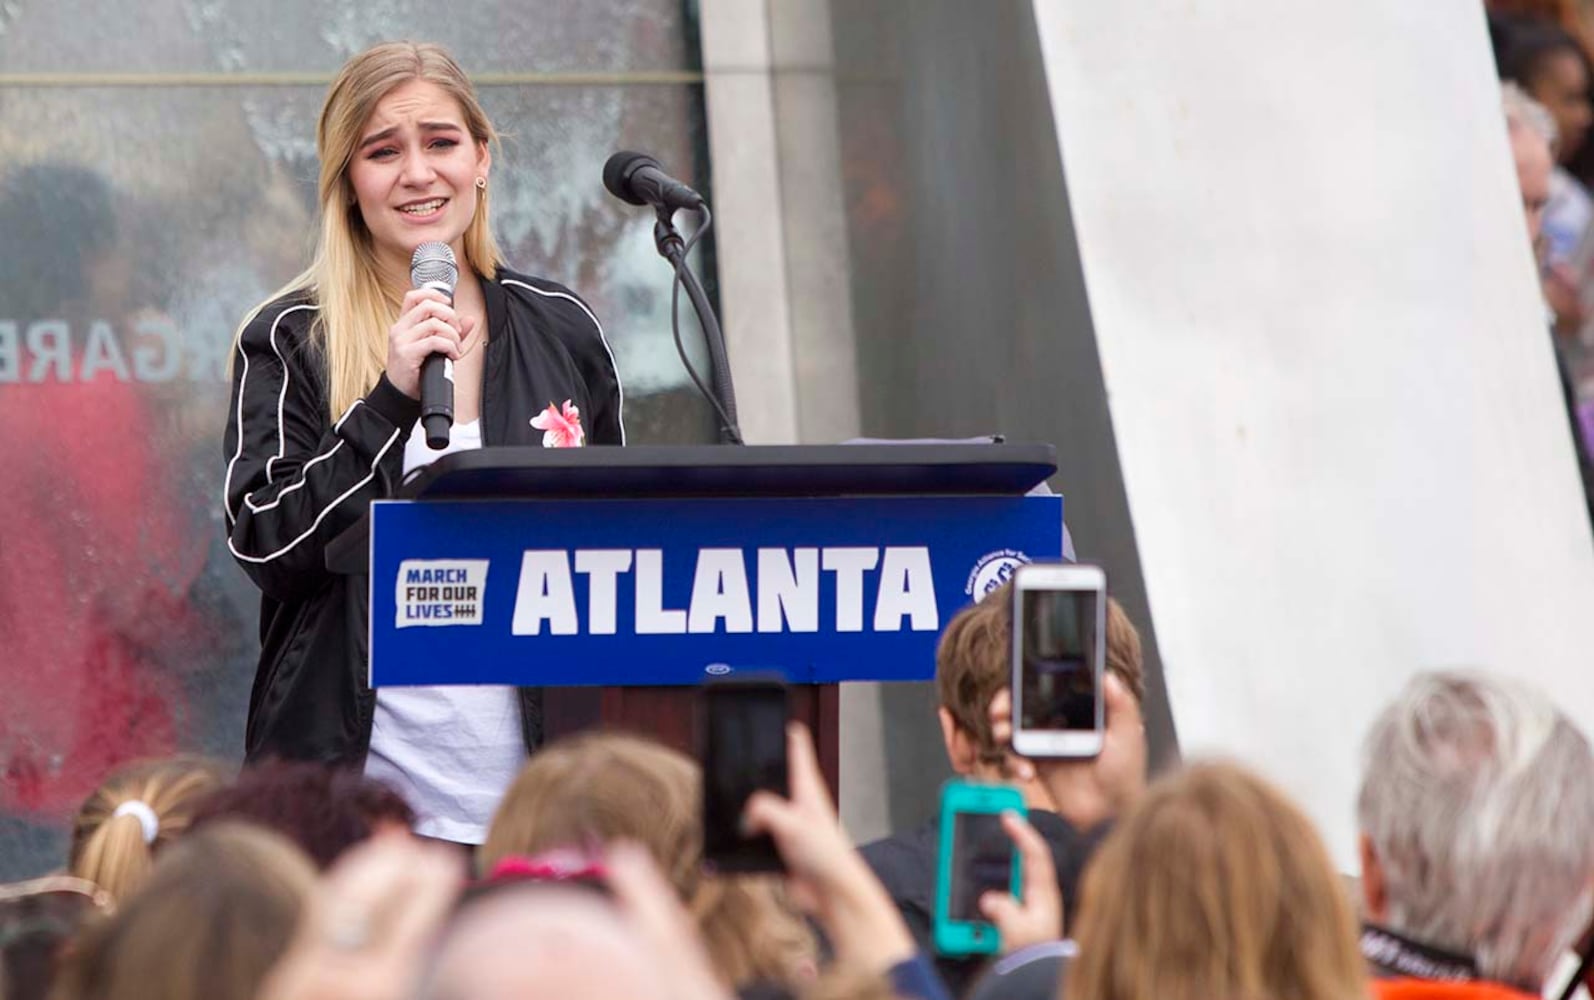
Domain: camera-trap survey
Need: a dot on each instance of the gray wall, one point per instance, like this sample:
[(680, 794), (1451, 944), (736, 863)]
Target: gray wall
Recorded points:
[(968, 305)]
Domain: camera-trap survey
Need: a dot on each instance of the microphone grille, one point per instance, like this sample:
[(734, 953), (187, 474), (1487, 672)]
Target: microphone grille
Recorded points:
[(617, 174), (433, 262)]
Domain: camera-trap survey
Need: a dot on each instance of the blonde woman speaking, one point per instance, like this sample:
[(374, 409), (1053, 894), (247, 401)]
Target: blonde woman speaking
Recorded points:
[(325, 413)]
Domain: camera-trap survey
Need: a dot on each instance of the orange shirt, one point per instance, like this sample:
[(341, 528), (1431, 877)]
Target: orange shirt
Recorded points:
[(1437, 989)]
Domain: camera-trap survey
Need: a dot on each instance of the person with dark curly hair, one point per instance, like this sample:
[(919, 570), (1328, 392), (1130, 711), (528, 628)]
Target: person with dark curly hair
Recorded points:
[(323, 809)]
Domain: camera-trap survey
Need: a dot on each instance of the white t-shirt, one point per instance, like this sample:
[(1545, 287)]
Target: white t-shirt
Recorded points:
[(452, 751)]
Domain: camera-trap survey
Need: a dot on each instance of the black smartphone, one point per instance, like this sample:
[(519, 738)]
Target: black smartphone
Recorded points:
[(742, 749)]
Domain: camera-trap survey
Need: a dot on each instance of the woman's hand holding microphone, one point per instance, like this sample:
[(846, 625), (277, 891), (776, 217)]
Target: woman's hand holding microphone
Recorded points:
[(427, 325)]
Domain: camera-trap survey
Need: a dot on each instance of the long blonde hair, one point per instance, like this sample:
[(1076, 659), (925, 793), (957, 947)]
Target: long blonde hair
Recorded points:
[(596, 787), (356, 310), (111, 850), (1215, 885), (215, 916)]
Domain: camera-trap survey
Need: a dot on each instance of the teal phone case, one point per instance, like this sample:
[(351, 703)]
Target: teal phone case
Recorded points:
[(963, 936)]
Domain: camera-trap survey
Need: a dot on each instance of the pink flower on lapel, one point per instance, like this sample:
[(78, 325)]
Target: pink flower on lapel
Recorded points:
[(561, 426)]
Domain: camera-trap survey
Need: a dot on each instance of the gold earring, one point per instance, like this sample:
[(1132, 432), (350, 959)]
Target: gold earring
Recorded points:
[(481, 183)]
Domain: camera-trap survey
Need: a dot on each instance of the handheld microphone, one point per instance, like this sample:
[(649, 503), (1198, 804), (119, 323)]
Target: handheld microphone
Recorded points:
[(433, 266), (639, 179)]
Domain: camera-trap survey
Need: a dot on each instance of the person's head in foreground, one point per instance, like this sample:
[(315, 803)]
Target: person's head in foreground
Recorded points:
[(138, 811), (39, 921), (596, 788), (1214, 886), (1476, 803), (216, 913), (973, 664), (323, 809), (543, 941)]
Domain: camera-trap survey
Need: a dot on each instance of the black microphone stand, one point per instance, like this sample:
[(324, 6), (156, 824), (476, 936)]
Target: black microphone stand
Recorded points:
[(723, 397)]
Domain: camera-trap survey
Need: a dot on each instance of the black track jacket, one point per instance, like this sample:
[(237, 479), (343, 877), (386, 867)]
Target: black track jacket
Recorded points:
[(295, 479)]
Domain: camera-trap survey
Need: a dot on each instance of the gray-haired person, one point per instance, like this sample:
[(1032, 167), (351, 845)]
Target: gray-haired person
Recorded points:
[(1476, 806)]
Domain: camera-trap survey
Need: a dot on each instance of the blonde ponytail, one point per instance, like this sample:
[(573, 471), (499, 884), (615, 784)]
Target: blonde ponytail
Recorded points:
[(114, 846), (115, 857)]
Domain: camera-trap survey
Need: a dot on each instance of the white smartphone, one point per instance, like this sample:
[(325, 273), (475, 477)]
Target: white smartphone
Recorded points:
[(1059, 656)]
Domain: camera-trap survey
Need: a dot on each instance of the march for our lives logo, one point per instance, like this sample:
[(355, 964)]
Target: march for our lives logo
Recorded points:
[(440, 592)]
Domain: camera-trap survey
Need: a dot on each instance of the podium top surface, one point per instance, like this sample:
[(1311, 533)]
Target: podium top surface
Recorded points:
[(728, 470), (681, 471)]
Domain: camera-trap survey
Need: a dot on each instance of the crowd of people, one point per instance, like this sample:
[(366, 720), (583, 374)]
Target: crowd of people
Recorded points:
[(305, 881), (1544, 53), (432, 843)]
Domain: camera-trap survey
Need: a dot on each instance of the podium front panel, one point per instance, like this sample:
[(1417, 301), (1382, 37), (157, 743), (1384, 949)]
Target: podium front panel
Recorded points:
[(669, 592)]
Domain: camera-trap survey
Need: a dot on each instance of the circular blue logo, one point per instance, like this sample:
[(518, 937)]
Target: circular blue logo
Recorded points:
[(993, 570)]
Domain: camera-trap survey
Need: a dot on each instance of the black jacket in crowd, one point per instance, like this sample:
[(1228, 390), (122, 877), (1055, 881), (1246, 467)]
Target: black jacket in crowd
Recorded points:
[(296, 479), (907, 865)]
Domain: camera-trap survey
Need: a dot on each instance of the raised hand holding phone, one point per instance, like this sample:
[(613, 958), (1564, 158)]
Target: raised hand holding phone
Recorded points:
[(826, 875), (742, 746), (1059, 659), (1037, 914), (976, 856), (1086, 792)]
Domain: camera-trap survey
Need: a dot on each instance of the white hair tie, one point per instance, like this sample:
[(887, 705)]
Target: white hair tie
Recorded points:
[(145, 815)]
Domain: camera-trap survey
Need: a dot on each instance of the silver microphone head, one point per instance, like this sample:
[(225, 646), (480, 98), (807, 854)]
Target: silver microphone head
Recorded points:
[(433, 266)]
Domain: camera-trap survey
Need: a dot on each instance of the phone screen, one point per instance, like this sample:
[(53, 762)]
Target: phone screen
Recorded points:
[(1057, 675), (744, 750), (982, 861)]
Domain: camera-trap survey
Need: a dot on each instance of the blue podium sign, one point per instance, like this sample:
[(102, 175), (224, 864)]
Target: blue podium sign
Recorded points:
[(551, 592)]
